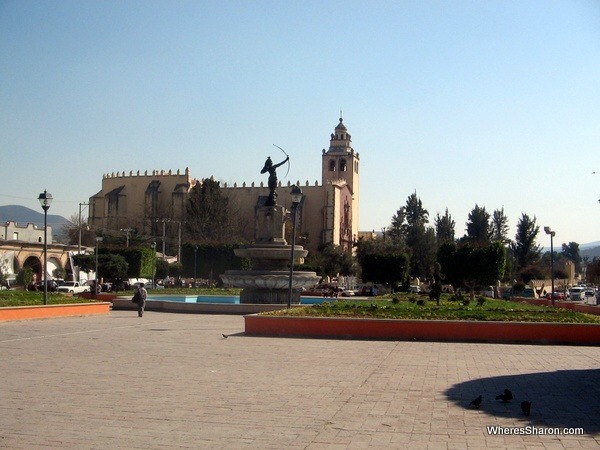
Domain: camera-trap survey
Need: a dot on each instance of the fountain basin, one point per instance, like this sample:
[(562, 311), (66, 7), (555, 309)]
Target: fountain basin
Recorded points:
[(269, 286)]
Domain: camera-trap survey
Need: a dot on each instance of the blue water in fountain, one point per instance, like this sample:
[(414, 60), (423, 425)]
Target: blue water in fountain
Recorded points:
[(233, 299)]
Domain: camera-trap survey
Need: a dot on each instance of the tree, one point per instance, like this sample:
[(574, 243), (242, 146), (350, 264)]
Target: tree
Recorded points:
[(525, 250), (423, 247), (471, 266), (332, 260), (112, 266), (419, 239), (499, 226), (208, 218), (25, 277), (162, 269), (382, 261), (593, 271), (571, 252), (444, 228), (389, 268), (70, 232), (416, 215), (478, 226), (396, 231)]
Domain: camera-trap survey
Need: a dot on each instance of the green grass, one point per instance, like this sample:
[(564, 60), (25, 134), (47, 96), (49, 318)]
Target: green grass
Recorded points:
[(410, 307), (26, 298)]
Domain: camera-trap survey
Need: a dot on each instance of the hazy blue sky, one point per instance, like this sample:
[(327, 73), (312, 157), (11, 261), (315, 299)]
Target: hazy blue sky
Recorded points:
[(494, 103)]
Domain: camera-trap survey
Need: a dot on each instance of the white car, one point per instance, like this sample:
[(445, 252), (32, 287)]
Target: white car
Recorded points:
[(73, 287)]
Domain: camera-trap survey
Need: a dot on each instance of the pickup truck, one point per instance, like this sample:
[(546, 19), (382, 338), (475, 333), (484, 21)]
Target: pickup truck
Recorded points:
[(73, 287)]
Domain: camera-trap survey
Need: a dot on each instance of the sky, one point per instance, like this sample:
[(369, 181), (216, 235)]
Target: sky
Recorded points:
[(492, 103)]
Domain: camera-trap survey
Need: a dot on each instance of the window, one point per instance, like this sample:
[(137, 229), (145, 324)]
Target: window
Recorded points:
[(15, 235), (342, 165), (332, 166)]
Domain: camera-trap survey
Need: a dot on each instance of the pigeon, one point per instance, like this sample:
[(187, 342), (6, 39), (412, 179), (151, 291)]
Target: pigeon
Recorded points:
[(506, 396), (224, 336), (526, 407), (476, 402)]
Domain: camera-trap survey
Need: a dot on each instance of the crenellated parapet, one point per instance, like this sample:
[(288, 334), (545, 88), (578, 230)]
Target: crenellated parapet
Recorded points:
[(146, 173), (262, 184)]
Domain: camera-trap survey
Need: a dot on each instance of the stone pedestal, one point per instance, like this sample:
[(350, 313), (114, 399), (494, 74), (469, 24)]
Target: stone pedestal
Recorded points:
[(270, 226)]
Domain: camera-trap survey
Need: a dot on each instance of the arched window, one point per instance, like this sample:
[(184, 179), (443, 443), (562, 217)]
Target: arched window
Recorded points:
[(332, 166), (342, 165)]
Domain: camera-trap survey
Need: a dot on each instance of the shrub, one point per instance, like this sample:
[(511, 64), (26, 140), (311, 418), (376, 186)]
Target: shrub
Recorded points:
[(480, 300)]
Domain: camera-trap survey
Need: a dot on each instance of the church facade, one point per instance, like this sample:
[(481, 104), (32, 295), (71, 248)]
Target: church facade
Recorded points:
[(154, 203)]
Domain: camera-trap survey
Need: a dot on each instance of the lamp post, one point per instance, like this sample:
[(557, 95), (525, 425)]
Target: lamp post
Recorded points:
[(195, 254), (296, 195), (98, 240), (153, 245), (45, 199), (552, 234)]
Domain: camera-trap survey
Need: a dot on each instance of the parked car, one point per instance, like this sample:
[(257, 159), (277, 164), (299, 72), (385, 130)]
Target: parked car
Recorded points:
[(590, 297), (557, 295), (73, 287), (52, 285), (414, 289), (489, 291)]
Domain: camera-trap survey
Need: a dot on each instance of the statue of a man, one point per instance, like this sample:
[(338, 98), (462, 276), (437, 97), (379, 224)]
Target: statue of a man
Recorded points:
[(271, 168)]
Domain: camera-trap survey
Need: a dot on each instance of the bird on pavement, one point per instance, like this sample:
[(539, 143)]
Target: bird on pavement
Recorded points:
[(506, 396), (476, 402), (526, 407)]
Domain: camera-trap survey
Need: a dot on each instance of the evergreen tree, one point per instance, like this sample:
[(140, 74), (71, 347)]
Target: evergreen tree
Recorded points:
[(571, 252), (499, 226), (396, 230), (444, 228), (525, 250), (478, 226), (416, 215)]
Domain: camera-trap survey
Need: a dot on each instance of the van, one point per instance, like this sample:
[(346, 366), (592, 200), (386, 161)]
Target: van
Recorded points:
[(577, 294)]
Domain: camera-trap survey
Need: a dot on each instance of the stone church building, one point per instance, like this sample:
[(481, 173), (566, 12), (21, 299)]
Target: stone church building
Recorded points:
[(155, 203)]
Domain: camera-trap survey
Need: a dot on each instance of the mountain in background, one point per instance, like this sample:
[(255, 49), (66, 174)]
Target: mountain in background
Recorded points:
[(23, 215)]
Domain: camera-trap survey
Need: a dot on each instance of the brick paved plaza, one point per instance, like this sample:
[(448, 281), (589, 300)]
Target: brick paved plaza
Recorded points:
[(172, 381)]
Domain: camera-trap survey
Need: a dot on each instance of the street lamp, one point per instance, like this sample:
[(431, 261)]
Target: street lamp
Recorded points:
[(45, 199), (552, 234), (98, 240), (153, 245), (195, 254), (296, 195)]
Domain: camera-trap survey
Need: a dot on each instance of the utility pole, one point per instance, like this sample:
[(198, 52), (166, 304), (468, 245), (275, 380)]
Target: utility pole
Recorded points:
[(80, 225), (164, 221)]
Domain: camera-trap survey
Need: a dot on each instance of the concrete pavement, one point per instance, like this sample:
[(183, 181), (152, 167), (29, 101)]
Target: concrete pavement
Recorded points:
[(172, 381)]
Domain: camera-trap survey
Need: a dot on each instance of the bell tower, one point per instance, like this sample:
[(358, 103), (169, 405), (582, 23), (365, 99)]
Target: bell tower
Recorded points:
[(341, 163)]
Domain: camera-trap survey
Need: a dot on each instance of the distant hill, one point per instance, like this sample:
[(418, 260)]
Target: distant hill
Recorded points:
[(590, 252), (23, 215)]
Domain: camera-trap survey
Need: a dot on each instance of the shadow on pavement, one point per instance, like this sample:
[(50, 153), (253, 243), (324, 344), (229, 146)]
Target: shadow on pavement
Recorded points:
[(562, 399)]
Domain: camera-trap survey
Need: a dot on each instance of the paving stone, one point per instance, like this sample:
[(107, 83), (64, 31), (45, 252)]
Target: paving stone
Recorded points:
[(172, 381)]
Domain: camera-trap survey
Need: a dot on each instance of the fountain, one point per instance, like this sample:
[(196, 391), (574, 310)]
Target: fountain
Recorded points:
[(269, 279)]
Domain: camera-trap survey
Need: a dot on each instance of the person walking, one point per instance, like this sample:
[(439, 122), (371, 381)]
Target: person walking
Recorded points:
[(140, 296)]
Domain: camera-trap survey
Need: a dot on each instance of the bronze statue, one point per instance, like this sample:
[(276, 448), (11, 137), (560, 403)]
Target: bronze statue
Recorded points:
[(271, 168)]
